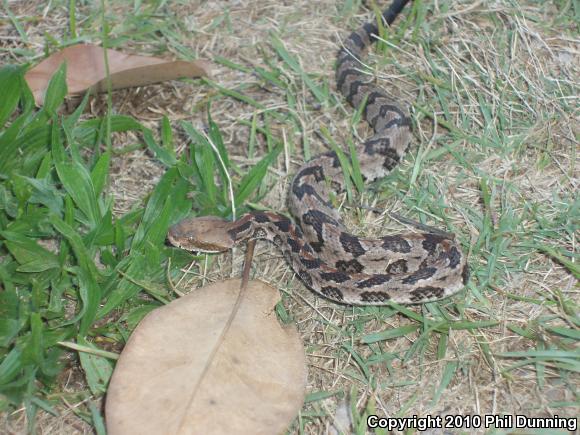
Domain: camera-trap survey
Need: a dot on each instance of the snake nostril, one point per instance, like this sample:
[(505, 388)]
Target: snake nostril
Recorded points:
[(341, 266)]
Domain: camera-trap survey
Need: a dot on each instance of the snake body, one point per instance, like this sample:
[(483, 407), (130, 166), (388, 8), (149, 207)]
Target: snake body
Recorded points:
[(412, 267)]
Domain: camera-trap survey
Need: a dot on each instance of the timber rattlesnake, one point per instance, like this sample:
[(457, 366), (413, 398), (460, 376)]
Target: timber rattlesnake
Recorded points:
[(404, 268)]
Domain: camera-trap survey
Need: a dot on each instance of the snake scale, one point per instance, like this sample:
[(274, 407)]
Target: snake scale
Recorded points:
[(407, 268)]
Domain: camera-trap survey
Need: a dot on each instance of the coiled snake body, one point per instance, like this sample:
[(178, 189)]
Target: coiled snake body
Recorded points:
[(405, 268)]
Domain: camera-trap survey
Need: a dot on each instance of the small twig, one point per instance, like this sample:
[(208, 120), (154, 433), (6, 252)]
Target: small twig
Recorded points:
[(404, 220), (170, 281), (228, 324), (247, 265), (226, 172)]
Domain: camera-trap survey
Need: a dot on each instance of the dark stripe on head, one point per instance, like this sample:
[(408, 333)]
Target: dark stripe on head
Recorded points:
[(233, 233), (419, 275), (260, 217)]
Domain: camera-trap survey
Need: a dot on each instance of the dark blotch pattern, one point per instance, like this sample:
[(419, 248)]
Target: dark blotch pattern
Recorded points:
[(454, 257), (350, 266), (400, 122), (332, 293), (357, 40), (378, 146), (391, 159), (383, 108), (294, 245), (337, 277), (308, 248), (431, 241), (402, 119), (373, 281), (342, 76), (374, 297), (427, 292), (310, 263), (305, 277), (420, 274), (315, 219), (354, 88)]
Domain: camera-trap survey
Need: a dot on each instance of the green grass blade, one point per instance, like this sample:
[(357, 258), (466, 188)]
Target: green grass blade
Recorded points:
[(254, 177), (56, 90), (389, 334), (293, 63), (98, 370), (84, 258), (77, 181), (100, 172), (10, 366), (448, 373), (165, 155), (30, 255)]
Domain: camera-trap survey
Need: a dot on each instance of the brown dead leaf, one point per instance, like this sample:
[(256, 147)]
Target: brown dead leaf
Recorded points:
[(176, 377), (86, 70)]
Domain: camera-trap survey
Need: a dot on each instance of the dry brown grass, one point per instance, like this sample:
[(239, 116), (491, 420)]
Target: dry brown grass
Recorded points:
[(530, 162)]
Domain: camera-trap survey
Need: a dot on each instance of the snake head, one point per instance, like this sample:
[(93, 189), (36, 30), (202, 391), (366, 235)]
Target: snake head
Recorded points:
[(204, 234)]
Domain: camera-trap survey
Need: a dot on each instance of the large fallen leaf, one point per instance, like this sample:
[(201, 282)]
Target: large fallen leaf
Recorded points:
[(176, 376), (86, 70)]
